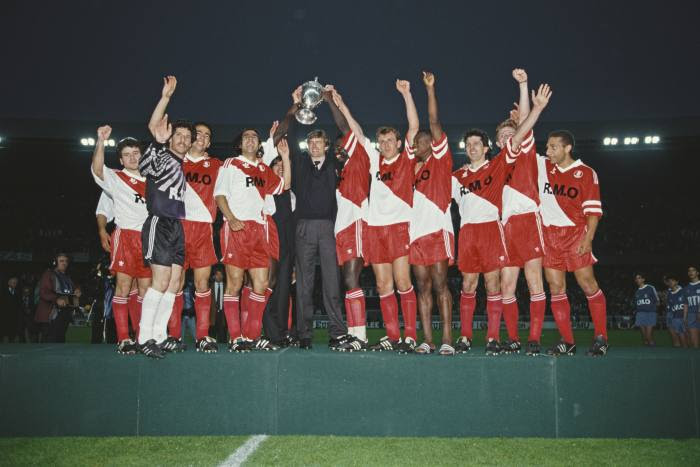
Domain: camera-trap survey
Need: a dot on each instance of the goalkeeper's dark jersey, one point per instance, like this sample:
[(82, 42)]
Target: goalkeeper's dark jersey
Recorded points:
[(165, 182)]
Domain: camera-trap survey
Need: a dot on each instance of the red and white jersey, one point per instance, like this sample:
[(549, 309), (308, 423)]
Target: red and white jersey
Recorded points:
[(129, 194), (479, 192), (567, 195), (432, 195), (245, 185), (353, 185), (391, 191), (520, 193), (200, 176), (269, 154), (105, 206)]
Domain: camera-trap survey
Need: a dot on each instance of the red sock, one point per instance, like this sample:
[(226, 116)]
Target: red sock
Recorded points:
[(202, 308), (562, 316), (175, 321), (494, 309), (510, 316), (408, 310), (256, 309), (537, 305), (134, 306), (120, 311), (467, 303), (597, 307), (245, 306), (355, 307), (390, 315), (232, 312)]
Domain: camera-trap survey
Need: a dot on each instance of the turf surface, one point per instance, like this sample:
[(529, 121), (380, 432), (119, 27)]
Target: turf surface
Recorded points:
[(360, 451)]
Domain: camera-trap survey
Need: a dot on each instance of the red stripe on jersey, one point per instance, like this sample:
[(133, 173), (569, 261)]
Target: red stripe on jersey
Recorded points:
[(398, 175), (262, 176), (137, 185), (353, 183), (201, 178)]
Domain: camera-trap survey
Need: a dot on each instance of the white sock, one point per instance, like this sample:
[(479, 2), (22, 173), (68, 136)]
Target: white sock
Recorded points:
[(160, 324), (149, 306), (360, 332)]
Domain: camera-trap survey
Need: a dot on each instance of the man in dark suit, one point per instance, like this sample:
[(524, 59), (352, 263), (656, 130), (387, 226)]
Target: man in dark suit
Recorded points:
[(10, 311), (218, 318)]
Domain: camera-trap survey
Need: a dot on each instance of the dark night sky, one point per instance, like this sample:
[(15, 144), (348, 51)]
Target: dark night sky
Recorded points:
[(237, 62)]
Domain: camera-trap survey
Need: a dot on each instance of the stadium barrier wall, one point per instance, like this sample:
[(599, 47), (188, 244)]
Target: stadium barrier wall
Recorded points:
[(89, 390)]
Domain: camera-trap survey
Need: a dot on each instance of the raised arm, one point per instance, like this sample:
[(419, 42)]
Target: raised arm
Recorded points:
[(435, 126), (283, 150), (520, 76), (352, 123), (169, 85), (404, 87), (539, 102), (289, 117), (338, 116), (98, 156)]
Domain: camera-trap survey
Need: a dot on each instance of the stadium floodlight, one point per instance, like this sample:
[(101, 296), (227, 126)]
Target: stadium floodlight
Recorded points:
[(613, 141), (461, 145), (91, 141), (606, 141), (303, 146), (84, 141), (647, 140), (627, 140), (110, 142), (634, 140), (655, 139)]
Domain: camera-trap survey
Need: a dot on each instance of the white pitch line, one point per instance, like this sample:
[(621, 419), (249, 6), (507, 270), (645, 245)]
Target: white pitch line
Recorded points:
[(241, 454)]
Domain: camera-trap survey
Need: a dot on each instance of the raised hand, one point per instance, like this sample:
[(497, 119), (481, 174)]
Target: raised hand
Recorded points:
[(519, 75), (428, 79), (169, 85), (162, 130), (403, 86), (328, 92), (296, 95), (103, 133), (283, 148), (541, 98), (273, 128), (337, 99)]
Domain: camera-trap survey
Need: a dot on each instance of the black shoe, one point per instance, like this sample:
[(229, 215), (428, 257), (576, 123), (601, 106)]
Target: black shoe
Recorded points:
[(463, 345), (305, 343), (239, 345), (291, 341), (127, 347), (599, 347), (562, 348), (263, 344), (335, 342), (493, 347), (152, 350), (385, 344), (408, 345), (532, 349), (172, 344), (207, 345), (354, 345), (510, 346)]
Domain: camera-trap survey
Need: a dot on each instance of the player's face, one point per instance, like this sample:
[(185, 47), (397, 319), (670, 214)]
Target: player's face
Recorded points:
[(340, 154), (278, 169), (692, 274), (130, 158), (12, 283), (389, 145), (672, 283), (556, 150), (317, 147), (250, 142), (422, 144), (203, 140), (503, 135), (181, 141), (476, 151), (61, 263), (639, 280)]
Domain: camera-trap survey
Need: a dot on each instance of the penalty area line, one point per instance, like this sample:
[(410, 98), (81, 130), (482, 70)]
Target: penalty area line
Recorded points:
[(240, 455)]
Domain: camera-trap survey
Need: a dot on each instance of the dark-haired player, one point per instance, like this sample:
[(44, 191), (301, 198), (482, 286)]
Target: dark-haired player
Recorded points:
[(646, 301), (162, 236), (571, 208), (692, 293), (677, 308), (127, 189)]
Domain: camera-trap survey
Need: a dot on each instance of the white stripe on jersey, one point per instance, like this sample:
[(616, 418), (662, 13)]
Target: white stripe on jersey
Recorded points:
[(554, 213)]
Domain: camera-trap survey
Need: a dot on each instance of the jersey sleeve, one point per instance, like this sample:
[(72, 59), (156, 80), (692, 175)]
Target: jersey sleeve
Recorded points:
[(108, 179), (274, 184), (455, 187), (590, 203), (441, 149), (371, 151), (269, 151), (526, 146), (408, 149), (655, 296), (154, 160), (222, 187), (105, 207)]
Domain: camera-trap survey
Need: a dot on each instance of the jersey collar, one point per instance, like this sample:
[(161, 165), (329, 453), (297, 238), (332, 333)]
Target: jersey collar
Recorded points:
[(137, 177), (576, 163)]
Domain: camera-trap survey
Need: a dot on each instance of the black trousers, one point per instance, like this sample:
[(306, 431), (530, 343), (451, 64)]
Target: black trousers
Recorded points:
[(219, 329), (316, 239), (59, 325), (276, 315)]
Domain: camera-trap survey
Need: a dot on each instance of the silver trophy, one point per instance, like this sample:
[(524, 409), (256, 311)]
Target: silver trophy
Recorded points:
[(311, 97)]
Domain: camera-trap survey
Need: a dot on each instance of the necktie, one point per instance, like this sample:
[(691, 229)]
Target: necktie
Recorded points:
[(317, 165)]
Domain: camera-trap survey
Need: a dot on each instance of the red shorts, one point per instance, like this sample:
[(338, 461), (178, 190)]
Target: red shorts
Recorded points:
[(386, 243), (246, 248), (273, 239), (524, 240), (349, 242), (127, 254), (561, 244), (432, 248), (482, 247), (199, 244)]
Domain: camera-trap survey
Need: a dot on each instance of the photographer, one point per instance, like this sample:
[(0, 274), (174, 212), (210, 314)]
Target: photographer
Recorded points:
[(54, 311)]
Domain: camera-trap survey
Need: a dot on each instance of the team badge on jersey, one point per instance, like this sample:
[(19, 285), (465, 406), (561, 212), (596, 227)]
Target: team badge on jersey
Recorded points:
[(578, 174), (261, 168), (132, 180), (206, 164)]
